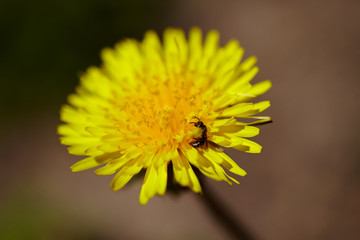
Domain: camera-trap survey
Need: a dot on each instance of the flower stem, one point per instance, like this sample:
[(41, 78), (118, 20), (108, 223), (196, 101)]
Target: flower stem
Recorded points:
[(223, 216)]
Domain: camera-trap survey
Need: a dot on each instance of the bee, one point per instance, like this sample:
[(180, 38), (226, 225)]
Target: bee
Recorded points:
[(200, 141)]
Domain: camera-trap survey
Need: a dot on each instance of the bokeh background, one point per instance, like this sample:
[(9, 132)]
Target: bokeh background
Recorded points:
[(305, 184)]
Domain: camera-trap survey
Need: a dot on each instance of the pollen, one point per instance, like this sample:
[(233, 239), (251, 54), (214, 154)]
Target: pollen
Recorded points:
[(159, 115)]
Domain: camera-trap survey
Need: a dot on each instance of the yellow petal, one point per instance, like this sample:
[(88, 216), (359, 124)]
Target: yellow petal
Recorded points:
[(236, 130), (125, 174), (221, 140), (206, 166), (155, 180), (82, 150), (248, 63), (223, 159), (228, 62), (260, 88), (85, 164), (246, 145), (243, 79), (184, 174), (211, 43), (161, 179), (78, 140), (148, 189), (264, 119), (245, 109), (195, 48), (96, 82), (112, 166)]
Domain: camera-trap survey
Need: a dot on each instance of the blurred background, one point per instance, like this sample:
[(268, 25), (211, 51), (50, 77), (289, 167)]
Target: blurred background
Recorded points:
[(304, 185)]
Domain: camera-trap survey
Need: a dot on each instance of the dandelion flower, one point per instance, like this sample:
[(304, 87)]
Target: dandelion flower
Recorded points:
[(154, 105)]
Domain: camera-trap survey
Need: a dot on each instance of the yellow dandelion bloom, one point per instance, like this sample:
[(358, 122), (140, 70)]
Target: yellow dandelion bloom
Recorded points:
[(153, 105)]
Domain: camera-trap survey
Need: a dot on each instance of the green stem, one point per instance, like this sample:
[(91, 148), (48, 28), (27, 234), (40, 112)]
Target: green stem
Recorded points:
[(223, 216)]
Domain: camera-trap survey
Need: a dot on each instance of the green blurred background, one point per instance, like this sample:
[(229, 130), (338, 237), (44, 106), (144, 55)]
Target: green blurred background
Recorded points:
[(305, 184)]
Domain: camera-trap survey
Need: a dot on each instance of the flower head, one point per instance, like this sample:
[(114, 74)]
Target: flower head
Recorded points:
[(153, 103)]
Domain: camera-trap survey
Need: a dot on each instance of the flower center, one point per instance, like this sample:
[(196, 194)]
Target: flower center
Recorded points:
[(163, 113)]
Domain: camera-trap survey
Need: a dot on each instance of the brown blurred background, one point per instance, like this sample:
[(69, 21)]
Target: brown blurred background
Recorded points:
[(305, 184)]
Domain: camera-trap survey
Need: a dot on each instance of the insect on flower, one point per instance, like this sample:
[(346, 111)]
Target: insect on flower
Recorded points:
[(200, 141)]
